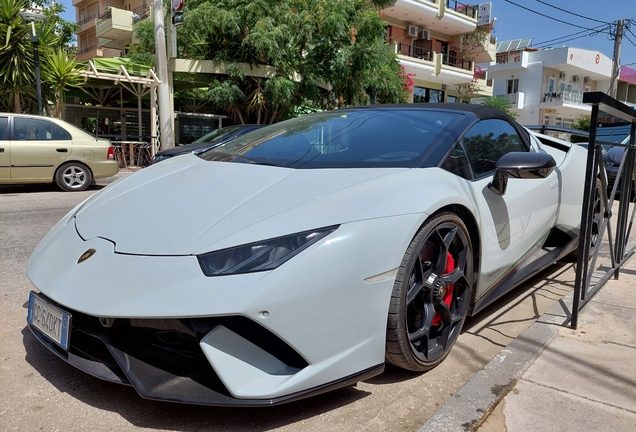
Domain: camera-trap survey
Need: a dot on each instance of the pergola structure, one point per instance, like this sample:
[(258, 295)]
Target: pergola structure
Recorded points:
[(138, 80)]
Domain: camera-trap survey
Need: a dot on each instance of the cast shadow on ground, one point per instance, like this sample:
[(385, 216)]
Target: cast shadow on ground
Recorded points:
[(139, 412)]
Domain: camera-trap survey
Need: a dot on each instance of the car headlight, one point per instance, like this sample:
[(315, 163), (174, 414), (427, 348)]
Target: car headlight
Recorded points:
[(260, 256)]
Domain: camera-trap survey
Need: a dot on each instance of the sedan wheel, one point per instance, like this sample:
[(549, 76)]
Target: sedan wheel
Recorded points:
[(73, 177), (431, 295)]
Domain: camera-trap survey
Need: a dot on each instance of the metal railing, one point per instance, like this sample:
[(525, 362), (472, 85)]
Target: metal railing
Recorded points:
[(142, 12), (104, 17), (458, 62), (85, 50), (462, 8), (566, 96), (589, 279), (85, 20), (415, 51)]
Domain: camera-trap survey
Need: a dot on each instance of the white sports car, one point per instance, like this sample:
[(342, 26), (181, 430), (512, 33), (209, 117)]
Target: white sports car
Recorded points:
[(301, 257)]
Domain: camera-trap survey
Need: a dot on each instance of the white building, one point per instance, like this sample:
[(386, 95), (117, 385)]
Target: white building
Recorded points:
[(546, 86)]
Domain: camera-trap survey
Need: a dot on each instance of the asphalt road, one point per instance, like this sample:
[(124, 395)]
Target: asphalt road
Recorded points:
[(41, 392)]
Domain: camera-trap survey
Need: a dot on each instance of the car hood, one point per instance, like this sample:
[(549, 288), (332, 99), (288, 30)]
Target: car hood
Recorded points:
[(187, 205)]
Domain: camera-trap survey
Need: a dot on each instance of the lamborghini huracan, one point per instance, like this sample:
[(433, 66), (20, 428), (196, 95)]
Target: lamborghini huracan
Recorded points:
[(304, 256)]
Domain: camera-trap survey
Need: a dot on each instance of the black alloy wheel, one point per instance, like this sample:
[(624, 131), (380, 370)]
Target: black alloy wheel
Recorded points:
[(431, 295)]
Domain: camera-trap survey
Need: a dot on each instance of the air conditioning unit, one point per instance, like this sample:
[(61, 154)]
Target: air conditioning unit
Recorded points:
[(426, 35), (586, 80), (562, 75), (575, 78), (412, 31)]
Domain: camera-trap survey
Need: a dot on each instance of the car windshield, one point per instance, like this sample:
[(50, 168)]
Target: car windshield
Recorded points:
[(343, 139), (216, 135)]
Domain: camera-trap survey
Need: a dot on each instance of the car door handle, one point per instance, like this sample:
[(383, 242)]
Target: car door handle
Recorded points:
[(62, 150), (1, 150)]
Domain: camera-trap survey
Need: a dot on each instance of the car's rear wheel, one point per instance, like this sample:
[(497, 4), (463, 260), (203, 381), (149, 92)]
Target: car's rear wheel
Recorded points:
[(431, 295), (73, 176)]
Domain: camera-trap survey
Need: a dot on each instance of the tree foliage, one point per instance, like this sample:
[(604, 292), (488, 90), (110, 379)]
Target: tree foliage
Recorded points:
[(501, 103), (18, 91), (584, 124), (326, 54)]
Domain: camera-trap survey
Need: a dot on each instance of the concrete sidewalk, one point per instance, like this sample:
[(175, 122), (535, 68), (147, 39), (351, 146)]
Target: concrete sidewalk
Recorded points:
[(553, 378)]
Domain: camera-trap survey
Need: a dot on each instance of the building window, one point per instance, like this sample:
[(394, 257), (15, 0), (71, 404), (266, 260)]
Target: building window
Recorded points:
[(513, 86), (427, 95)]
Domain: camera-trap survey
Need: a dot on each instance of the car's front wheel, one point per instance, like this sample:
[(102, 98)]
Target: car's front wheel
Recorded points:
[(73, 176), (431, 295)]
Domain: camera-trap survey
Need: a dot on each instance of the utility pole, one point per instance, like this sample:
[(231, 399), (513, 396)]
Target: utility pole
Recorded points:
[(163, 90), (617, 58)]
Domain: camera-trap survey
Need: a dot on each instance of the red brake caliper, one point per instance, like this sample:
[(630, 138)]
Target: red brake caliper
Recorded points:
[(448, 295)]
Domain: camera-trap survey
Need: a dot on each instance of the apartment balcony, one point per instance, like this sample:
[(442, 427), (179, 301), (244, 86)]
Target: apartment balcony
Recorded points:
[(572, 97), (87, 23), (89, 53), (429, 65), (449, 17), (114, 28), (487, 52), (484, 85), (516, 99)]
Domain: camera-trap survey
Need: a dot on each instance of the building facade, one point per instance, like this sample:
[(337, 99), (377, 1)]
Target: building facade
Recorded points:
[(427, 35), (107, 25), (546, 86)]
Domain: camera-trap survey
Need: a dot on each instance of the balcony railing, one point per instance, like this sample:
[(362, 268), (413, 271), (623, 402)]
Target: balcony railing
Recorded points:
[(427, 54), (105, 16), (87, 19), (468, 10), (85, 50), (570, 97), (415, 51), (141, 13), (458, 62)]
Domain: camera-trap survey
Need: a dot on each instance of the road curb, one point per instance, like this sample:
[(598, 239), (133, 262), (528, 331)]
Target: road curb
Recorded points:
[(470, 406)]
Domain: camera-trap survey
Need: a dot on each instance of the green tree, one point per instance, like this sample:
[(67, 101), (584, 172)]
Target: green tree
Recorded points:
[(583, 123), (501, 103), (17, 71), (62, 72), (326, 54)]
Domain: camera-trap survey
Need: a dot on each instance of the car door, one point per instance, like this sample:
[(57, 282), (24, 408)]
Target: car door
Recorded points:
[(37, 147), (513, 225), (5, 148)]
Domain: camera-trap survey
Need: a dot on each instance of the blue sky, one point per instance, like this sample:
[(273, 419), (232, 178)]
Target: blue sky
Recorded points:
[(515, 22)]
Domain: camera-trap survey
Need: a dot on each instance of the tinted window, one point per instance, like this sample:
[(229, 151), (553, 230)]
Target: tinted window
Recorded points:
[(457, 163), (217, 134), (487, 141), (343, 139), (4, 128), (38, 130)]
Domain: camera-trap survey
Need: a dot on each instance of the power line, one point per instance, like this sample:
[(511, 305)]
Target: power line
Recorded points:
[(544, 45), (596, 30), (548, 16), (569, 12)]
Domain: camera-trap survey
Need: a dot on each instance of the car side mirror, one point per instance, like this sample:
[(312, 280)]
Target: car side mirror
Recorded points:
[(520, 165)]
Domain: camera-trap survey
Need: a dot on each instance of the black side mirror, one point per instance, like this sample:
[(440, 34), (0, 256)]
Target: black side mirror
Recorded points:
[(520, 165)]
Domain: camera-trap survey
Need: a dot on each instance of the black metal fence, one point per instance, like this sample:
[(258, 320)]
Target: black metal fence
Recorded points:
[(589, 278)]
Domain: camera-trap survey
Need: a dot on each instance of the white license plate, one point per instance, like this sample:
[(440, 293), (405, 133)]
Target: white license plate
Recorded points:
[(52, 321)]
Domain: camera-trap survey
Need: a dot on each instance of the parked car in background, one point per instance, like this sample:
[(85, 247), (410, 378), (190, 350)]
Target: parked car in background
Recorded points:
[(308, 253), (37, 149), (206, 142), (612, 157)]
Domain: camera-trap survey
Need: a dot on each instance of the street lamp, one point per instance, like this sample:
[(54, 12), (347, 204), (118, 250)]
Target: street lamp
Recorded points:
[(30, 17)]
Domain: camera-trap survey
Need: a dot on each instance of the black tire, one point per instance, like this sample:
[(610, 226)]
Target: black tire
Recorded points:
[(73, 177), (429, 304), (597, 219)]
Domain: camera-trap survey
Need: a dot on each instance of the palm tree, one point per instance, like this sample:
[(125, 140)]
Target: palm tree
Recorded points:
[(61, 72), (16, 56)]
